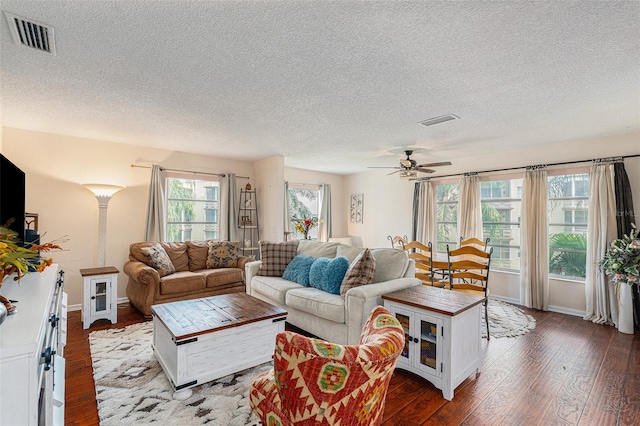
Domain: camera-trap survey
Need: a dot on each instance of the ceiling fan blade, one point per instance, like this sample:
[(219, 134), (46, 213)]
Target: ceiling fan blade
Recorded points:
[(393, 173), (420, 169), (442, 163), (382, 167)]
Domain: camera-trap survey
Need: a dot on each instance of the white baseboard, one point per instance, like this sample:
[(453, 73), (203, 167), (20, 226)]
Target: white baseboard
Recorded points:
[(551, 308), (563, 310), (78, 307)]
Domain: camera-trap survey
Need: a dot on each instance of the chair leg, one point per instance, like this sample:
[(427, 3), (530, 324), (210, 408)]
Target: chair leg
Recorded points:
[(486, 317)]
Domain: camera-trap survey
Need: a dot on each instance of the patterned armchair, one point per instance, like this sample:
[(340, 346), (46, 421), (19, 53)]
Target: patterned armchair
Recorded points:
[(314, 382)]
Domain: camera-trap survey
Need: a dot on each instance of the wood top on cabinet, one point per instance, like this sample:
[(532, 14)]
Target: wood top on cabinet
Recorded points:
[(435, 299)]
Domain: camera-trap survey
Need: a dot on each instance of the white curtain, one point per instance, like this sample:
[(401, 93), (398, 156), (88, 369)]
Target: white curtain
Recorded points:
[(156, 224), (534, 244), (425, 217), (470, 210), (287, 218), (324, 228), (228, 217), (602, 306)]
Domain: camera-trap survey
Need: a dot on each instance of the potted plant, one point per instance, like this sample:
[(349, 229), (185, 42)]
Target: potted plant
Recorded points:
[(19, 259), (621, 263)]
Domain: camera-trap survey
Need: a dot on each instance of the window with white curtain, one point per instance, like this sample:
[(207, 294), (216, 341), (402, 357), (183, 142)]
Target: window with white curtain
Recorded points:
[(447, 196), (192, 207), (303, 204), (501, 207), (568, 201)]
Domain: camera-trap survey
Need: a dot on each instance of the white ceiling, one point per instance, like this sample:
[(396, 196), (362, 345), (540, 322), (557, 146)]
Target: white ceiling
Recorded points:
[(331, 86)]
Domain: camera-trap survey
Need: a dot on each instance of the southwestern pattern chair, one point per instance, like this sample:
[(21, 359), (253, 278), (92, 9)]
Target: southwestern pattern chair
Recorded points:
[(314, 382)]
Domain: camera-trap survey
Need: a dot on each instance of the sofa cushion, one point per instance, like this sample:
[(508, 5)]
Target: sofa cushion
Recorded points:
[(390, 264), (221, 276), (182, 282), (275, 257), (178, 254), (298, 270), (275, 288), (349, 252), (158, 259), (317, 249), (198, 252), (318, 303), (360, 272), (222, 254), (327, 274)]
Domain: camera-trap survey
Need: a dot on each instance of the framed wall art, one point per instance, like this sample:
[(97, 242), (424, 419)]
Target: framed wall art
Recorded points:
[(356, 208)]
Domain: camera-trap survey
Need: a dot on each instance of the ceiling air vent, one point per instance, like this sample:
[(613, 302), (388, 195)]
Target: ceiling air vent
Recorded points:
[(438, 120), (31, 33)]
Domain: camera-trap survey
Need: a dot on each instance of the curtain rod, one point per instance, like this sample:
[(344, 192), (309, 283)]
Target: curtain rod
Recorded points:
[(524, 167), (190, 171), (304, 184)]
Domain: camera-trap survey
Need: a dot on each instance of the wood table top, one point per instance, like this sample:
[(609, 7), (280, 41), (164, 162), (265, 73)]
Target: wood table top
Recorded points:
[(435, 299), (189, 318)]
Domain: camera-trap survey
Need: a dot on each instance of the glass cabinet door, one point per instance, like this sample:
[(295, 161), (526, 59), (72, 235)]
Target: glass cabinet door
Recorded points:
[(428, 343), (99, 296), (404, 321)]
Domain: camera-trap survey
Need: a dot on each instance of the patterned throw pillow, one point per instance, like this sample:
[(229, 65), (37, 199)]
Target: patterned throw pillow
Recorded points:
[(275, 257), (361, 272), (222, 254), (156, 257)]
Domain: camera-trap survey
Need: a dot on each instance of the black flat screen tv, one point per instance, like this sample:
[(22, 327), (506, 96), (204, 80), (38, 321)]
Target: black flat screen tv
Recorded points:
[(12, 196)]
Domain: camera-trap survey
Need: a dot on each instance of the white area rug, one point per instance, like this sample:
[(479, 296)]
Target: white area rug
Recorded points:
[(131, 387), (506, 320)]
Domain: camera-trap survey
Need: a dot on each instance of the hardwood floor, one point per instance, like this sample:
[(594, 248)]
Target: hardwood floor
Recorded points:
[(567, 371)]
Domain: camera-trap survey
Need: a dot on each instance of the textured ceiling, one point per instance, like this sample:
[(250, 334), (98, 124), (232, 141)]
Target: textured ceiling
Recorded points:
[(331, 86)]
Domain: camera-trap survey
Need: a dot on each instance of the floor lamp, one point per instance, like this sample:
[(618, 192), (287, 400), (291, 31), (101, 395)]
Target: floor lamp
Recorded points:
[(103, 194)]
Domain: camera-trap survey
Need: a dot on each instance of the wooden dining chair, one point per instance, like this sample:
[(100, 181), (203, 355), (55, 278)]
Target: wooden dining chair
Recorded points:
[(422, 256), (474, 242), (398, 242), (469, 273)]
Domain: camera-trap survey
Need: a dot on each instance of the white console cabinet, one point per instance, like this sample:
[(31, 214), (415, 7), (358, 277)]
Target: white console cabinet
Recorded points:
[(442, 334), (32, 366)]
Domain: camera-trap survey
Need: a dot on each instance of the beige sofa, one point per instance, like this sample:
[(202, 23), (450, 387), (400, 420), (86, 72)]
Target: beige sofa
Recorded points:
[(191, 280), (330, 316)]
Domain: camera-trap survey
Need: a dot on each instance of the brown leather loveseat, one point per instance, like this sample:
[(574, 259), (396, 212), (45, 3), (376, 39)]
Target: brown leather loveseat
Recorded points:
[(192, 278)]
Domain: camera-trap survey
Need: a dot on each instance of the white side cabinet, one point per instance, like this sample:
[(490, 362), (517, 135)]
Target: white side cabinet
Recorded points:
[(100, 286), (442, 334)]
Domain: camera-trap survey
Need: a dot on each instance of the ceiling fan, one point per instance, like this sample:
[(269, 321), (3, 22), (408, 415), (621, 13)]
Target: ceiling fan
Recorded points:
[(409, 167)]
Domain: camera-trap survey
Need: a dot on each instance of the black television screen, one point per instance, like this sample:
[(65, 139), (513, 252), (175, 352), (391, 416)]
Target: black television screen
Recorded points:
[(12, 195)]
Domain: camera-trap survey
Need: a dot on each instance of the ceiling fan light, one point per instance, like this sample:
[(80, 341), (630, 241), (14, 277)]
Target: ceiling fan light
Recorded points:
[(408, 174)]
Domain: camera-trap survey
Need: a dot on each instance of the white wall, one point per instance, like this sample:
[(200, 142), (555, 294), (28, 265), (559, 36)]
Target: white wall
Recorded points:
[(387, 207), (270, 188), (338, 197), (57, 165), (388, 202)]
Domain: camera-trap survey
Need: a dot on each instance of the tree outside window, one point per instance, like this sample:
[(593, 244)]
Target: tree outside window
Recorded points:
[(192, 209)]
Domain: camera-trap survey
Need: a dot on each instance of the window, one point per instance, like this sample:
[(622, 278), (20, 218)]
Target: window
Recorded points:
[(303, 204), (192, 209), (568, 197), (447, 216), (501, 202)]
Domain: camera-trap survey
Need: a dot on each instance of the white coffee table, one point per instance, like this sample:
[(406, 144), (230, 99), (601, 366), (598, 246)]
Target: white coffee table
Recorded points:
[(200, 340)]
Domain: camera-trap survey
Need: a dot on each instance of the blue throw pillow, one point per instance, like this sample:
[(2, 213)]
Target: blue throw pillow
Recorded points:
[(298, 270), (327, 274)]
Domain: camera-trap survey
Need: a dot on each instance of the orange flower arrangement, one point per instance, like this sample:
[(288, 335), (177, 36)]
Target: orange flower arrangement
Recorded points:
[(22, 259)]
